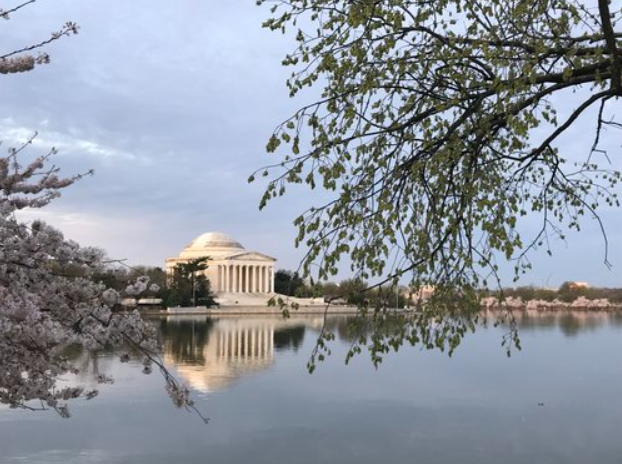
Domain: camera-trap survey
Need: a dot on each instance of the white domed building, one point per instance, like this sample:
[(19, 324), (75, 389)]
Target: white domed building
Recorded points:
[(231, 268)]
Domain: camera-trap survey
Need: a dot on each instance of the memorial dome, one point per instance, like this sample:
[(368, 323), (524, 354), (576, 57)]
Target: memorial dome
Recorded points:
[(214, 241)]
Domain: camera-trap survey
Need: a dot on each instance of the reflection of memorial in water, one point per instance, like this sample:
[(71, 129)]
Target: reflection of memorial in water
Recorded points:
[(211, 354)]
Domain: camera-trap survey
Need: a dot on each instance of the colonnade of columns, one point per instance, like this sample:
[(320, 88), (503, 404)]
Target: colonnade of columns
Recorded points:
[(245, 278)]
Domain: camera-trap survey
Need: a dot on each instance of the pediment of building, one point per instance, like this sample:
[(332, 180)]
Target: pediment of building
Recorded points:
[(250, 256)]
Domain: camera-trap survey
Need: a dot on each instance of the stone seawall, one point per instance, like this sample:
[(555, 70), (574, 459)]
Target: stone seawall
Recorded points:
[(251, 310)]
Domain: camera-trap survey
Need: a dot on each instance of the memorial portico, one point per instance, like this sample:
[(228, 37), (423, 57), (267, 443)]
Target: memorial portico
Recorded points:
[(231, 268), (240, 276)]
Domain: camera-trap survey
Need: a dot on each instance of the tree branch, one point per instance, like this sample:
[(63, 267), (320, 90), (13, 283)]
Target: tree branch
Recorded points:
[(605, 16)]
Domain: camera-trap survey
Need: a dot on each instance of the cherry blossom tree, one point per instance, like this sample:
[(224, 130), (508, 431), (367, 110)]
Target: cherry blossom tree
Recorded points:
[(49, 299)]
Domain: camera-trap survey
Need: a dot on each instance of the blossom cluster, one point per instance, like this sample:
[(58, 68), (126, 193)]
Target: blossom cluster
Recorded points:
[(49, 298), (19, 61), (22, 63)]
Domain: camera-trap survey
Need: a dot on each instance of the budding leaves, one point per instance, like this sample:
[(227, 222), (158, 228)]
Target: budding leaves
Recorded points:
[(434, 136)]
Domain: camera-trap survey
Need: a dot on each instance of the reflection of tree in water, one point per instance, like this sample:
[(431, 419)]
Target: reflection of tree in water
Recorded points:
[(615, 319), (289, 338), (347, 328), (529, 321), (184, 339), (570, 323), (93, 367)]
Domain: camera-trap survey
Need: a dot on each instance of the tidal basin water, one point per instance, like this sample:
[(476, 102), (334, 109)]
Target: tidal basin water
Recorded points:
[(559, 400)]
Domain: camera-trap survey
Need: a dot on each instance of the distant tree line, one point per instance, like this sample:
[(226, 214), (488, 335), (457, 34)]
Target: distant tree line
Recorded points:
[(349, 291), (355, 292), (567, 292), (188, 286)]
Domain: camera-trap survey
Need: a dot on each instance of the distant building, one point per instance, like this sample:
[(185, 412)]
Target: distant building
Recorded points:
[(146, 302), (231, 268), (424, 292), (142, 302), (577, 285)]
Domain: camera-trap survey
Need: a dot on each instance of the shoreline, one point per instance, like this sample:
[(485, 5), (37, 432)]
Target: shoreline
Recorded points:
[(554, 309), (251, 310), (353, 310)]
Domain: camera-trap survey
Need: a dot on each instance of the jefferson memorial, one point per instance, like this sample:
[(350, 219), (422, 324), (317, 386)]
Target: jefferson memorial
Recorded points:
[(231, 268)]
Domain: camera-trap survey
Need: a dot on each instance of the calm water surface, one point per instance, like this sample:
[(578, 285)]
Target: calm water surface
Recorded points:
[(248, 375)]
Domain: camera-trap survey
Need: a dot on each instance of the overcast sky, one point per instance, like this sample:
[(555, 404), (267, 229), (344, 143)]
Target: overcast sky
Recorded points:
[(172, 104)]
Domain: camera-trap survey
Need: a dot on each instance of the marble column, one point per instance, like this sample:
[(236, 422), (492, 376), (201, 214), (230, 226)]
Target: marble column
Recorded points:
[(235, 279), (264, 279), (271, 279), (229, 278), (230, 283), (242, 279)]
